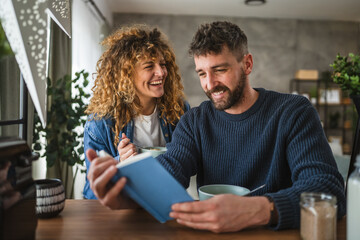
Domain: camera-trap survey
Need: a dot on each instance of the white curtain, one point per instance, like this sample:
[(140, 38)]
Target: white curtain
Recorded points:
[(87, 34), (88, 30)]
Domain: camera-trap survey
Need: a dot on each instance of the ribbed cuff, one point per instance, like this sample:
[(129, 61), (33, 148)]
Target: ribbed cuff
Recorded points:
[(288, 211)]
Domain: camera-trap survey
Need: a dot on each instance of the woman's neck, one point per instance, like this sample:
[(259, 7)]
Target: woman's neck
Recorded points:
[(148, 107)]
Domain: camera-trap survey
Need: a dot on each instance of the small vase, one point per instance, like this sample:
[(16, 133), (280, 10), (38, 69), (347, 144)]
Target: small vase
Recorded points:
[(356, 100), (356, 141), (50, 197)]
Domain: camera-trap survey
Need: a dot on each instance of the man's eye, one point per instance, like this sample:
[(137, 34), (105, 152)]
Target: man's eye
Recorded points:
[(220, 70), (201, 74)]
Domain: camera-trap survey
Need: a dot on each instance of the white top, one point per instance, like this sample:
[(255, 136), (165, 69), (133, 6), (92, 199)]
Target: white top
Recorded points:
[(147, 131)]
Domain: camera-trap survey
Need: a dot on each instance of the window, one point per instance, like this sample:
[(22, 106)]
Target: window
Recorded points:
[(13, 94)]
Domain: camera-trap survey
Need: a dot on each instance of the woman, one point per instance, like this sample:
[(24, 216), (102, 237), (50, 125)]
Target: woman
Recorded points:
[(137, 97)]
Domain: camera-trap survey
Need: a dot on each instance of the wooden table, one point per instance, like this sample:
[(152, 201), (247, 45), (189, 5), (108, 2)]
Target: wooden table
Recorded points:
[(88, 219)]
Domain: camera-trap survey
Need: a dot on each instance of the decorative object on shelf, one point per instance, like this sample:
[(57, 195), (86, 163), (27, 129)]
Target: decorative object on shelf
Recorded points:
[(26, 27), (329, 96), (303, 74), (345, 97), (335, 144), (346, 148), (334, 120), (306, 95), (329, 101), (63, 140), (347, 124), (50, 197), (346, 100), (347, 75)]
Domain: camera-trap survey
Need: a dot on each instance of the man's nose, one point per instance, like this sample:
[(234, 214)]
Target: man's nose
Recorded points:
[(210, 82)]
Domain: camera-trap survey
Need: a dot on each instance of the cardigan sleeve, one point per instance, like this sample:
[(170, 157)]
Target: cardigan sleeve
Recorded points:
[(97, 136)]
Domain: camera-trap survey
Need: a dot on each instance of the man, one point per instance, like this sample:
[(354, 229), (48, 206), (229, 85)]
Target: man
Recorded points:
[(243, 136)]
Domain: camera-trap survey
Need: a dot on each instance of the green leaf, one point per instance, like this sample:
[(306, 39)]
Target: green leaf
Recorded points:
[(347, 72), (51, 158), (81, 151), (71, 161), (65, 114), (37, 147)]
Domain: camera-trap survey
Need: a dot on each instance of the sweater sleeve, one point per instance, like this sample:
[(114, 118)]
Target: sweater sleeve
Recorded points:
[(312, 165), (182, 152)]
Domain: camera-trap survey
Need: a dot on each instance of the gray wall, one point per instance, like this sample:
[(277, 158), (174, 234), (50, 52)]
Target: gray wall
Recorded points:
[(279, 47)]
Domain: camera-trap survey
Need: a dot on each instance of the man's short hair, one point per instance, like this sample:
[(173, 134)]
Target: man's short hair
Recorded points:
[(212, 37)]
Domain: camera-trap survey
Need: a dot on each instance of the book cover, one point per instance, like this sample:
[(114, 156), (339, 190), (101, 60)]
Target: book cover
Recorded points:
[(151, 185)]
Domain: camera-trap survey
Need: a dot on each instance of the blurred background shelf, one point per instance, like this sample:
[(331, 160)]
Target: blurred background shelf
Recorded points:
[(336, 111)]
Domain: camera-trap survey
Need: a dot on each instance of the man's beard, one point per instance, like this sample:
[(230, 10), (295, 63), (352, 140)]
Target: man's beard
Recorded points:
[(233, 98)]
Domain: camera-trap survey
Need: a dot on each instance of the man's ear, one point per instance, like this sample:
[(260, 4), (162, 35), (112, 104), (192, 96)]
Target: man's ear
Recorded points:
[(248, 63)]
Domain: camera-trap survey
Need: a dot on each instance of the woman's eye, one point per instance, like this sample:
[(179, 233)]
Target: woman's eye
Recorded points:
[(148, 67)]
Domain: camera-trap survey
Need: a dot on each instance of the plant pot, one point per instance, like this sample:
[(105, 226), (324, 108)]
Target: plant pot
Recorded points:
[(356, 100), (356, 141), (50, 197)]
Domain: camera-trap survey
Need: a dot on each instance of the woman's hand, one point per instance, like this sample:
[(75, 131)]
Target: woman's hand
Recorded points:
[(126, 148)]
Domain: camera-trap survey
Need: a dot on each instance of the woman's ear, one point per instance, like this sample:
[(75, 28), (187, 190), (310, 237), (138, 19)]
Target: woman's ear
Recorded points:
[(248, 63)]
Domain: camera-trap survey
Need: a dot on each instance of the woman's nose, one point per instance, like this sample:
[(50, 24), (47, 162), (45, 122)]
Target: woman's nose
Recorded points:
[(159, 71)]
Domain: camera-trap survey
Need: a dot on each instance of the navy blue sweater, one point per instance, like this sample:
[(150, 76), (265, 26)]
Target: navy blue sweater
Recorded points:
[(278, 141)]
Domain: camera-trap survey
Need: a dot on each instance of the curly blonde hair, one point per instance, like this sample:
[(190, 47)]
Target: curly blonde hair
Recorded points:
[(114, 92)]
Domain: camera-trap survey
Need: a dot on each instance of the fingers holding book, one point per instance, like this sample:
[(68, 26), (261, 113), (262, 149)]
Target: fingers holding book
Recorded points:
[(101, 171)]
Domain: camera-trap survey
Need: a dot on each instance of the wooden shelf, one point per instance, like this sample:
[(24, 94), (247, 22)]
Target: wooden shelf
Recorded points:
[(307, 86)]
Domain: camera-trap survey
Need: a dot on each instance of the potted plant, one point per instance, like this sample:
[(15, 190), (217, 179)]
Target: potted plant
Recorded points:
[(63, 140), (347, 75)]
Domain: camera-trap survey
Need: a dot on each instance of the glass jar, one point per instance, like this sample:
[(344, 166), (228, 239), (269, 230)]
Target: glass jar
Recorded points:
[(318, 216)]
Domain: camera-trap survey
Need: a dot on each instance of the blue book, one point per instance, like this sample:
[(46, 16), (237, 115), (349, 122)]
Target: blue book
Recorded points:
[(151, 185)]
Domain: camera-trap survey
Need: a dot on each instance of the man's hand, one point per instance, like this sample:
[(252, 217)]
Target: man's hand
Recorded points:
[(126, 148), (101, 170), (223, 213)]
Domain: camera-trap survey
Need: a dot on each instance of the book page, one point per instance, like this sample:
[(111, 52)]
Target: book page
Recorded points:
[(128, 161)]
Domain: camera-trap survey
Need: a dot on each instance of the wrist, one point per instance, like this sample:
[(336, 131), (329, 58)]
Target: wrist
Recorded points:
[(273, 217)]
